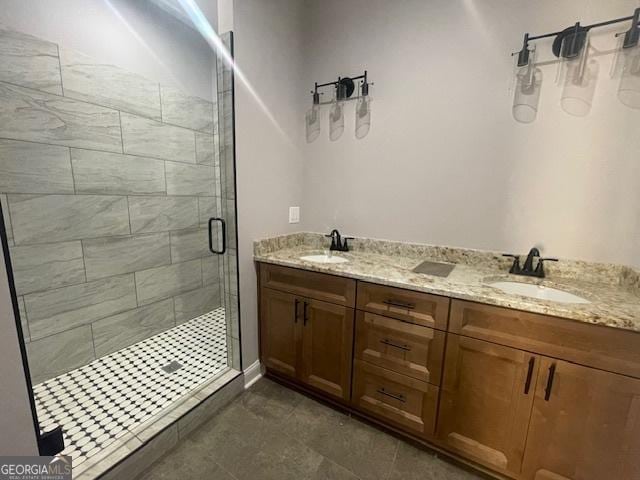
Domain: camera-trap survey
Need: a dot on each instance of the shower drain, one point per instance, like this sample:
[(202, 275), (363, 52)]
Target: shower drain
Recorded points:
[(172, 367)]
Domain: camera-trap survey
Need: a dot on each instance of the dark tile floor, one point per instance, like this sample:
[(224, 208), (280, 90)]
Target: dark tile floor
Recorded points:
[(272, 432)]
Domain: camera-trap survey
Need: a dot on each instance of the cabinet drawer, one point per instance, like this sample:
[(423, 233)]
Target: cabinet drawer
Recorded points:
[(320, 286), (597, 346), (415, 307), (400, 400), (399, 346)]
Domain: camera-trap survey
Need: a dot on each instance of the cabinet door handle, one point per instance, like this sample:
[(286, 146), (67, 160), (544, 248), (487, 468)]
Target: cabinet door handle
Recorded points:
[(527, 383), (305, 317), (394, 396), (547, 390), (295, 310), (394, 345), (399, 303)]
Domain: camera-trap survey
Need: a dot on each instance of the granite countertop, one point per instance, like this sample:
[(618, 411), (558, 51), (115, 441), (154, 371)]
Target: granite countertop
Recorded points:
[(613, 303)]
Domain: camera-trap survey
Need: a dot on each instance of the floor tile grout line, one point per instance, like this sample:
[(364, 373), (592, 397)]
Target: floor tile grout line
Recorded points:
[(393, 461)]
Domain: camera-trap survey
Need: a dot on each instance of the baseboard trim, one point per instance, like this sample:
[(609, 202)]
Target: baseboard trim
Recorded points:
[(252, 374)]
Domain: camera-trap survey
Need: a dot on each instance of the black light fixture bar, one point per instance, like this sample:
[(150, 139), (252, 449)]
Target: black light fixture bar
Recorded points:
[(359, 77), (632, 37), (345, 86)]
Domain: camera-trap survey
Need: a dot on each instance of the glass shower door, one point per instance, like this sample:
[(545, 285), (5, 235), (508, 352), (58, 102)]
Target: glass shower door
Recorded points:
[(114, 187)]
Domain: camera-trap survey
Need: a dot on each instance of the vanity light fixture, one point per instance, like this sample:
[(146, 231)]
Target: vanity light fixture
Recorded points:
[(578, 73), (344, 89)]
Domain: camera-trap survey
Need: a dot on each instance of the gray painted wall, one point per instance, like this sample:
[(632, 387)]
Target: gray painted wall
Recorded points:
[(270, 162), (445, 163)]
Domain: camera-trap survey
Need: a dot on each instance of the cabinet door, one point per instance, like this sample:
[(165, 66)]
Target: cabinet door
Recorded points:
[(585, 425), (279, 342), (487, 396), (327, 338)]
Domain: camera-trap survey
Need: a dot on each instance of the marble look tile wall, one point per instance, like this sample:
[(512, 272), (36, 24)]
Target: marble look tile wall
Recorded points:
[(107, 181)]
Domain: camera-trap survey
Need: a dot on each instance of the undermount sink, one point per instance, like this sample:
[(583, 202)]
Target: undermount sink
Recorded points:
[(538, 291), (324, 259)]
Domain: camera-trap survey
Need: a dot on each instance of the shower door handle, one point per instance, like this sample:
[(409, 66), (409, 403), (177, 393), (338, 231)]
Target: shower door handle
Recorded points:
[(224, 235)]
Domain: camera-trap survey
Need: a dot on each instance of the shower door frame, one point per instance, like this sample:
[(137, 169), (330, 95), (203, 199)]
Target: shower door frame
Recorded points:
[(52, 442)]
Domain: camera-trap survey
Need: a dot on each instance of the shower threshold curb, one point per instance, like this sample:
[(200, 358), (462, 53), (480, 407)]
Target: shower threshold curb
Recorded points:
[(139, 448)]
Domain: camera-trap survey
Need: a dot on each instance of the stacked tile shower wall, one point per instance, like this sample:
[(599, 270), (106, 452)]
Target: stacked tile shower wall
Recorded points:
[(107, 180)]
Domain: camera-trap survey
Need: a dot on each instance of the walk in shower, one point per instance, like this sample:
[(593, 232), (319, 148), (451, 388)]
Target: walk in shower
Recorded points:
[(118, 199)]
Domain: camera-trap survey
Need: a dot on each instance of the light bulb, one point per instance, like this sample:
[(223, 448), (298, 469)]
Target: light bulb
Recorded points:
[(363, 116), (312, 123), (336, 121)]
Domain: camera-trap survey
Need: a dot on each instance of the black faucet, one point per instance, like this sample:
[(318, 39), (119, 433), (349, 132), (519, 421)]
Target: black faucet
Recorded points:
[(337, 243), (527, 269)]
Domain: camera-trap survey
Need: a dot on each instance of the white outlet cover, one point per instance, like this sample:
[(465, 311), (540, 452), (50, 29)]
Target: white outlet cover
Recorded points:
[(294, 214)]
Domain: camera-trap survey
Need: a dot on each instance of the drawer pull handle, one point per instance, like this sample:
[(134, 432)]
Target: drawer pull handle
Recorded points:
[(547, 390), (400, 398), (399, 303), (394, 345), (527, 383)]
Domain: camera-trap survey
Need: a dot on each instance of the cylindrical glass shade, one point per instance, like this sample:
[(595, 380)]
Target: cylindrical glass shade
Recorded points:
[(580, 76), (336, 121), (579, 88), (363, 116), (527, 94), (629, 89), (312, 123)]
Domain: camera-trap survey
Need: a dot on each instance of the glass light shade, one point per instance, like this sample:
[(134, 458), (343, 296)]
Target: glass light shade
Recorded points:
[(527, 94), (336, 121), (580, 77), (579, 88), (629, 89), (363, 116), (312, 123)]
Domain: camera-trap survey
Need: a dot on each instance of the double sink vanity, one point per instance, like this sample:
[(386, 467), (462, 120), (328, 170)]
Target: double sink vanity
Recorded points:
[(519, 377)]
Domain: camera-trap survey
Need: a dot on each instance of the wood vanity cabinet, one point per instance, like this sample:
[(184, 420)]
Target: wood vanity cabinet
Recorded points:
[(402, 347), (528, 396), (398, 356), (535, 417), (397, 399), (413, 307), (306, 339), (486, 400), (585, 425), (279, 332), (327, 337)]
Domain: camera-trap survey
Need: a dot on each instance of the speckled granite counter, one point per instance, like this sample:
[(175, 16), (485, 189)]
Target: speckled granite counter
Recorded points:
[(613, 290)]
